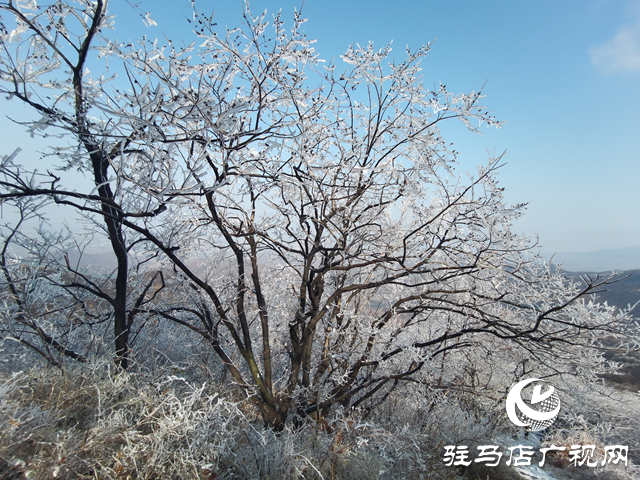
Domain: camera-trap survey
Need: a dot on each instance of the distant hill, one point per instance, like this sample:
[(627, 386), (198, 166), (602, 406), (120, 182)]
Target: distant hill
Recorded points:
[(620, 294), (625, 261), (598, 260)]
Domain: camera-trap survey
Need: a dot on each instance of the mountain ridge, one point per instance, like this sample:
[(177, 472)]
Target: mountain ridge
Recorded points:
[(623, 259)]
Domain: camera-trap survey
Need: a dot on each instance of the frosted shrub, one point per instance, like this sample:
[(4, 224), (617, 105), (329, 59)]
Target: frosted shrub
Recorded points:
[(87, 422)]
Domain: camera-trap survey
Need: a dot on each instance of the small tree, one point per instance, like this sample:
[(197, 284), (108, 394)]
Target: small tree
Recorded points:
[(48, 72), (317, 236), (35, 313)]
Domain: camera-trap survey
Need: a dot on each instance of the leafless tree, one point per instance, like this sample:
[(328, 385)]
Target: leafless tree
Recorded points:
[(34, 313), (306, 213)]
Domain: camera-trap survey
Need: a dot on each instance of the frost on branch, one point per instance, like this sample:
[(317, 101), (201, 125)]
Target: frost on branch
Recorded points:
[(303, 219)]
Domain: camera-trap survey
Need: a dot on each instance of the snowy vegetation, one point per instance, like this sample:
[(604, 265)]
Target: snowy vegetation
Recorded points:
[(302, 284)]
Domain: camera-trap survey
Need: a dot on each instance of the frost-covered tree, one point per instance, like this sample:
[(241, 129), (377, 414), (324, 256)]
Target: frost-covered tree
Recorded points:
[(305, 212), (35, 312), (47, 70)]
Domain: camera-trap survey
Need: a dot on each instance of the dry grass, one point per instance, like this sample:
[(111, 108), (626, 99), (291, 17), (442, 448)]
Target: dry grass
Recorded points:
[(89, 422), (92, 423)]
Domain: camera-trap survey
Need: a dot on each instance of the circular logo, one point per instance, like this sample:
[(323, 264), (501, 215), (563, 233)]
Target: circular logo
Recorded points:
[(540, 412)]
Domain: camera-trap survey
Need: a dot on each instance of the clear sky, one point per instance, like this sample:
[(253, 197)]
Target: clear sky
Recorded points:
[(563, 75)]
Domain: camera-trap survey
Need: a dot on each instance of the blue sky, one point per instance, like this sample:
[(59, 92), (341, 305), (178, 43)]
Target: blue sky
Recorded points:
[(564, 76)]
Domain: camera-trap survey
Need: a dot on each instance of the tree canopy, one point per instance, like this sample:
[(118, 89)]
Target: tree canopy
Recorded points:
[(303, 217)]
